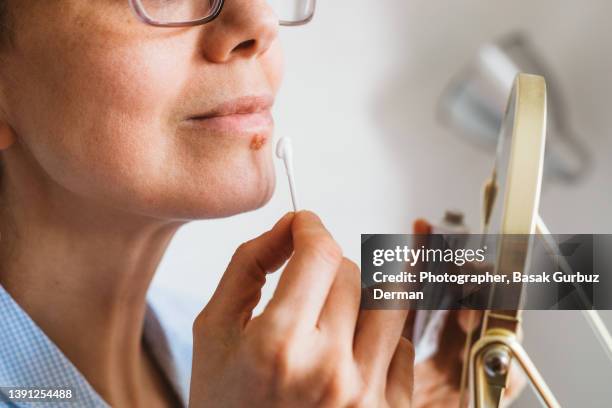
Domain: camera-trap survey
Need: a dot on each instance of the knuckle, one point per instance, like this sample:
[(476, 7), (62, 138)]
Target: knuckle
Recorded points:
[(350, 264), (243, 250), (351, 267), (271, 355), (341, 389), (352, 277), (364, 398), (201, 322), (406, 348), (364, 394), (245, 258)]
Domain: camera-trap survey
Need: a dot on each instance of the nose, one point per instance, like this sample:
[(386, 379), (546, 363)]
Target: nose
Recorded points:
[(244, 29)]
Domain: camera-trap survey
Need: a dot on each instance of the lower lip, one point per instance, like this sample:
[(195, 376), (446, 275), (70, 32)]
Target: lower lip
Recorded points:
[(246, 123)]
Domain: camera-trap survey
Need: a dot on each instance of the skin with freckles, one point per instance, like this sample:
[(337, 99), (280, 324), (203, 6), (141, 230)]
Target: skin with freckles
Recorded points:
[(111, 117), (113, 134), (108, 147)]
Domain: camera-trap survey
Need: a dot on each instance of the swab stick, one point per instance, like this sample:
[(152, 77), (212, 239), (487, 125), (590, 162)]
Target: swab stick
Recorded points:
[(284, 151)]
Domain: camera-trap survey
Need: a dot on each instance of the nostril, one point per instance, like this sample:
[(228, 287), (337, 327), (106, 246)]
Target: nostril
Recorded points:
[(245, 45)]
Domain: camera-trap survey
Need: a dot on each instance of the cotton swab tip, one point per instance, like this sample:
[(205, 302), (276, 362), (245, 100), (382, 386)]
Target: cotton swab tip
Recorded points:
[(284, 148)]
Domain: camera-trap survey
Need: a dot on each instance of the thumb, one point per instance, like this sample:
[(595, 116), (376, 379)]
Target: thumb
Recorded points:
[(240, 287)]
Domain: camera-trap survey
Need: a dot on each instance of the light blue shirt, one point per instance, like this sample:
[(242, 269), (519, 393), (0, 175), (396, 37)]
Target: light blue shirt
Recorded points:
[(29, 359)]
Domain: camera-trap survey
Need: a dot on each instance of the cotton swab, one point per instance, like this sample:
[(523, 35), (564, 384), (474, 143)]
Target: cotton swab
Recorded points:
[(284, 151)]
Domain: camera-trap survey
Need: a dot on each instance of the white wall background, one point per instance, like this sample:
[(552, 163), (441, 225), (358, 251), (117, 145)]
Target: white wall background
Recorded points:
[(359, 101)]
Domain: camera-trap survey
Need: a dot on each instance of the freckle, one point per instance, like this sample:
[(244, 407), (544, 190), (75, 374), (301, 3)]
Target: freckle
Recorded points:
[(258, 141)]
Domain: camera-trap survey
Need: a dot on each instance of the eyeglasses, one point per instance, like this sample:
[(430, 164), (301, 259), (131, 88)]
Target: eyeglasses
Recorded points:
[(185, 13)]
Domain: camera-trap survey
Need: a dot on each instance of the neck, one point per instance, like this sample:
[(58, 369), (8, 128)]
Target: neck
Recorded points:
[(64, 255)]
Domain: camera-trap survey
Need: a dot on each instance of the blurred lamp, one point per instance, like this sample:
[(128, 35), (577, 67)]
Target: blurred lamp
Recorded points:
[(473, 104)]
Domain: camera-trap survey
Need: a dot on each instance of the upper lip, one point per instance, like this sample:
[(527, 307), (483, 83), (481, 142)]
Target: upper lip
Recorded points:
[(241, 105)]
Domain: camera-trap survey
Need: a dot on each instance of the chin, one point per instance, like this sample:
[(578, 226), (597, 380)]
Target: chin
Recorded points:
[(246, 188), (194, 209), (220, 198), (223, 184), (244, 200)]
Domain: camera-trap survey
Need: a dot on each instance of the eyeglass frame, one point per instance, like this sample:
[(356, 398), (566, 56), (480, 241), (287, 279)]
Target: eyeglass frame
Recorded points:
[(139, 10)]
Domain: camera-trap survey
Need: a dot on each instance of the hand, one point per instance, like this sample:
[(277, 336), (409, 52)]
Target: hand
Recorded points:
[(312, 346), (437, 379)]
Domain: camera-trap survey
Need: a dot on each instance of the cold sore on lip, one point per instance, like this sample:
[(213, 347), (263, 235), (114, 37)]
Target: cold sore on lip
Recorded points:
[(258, 141)]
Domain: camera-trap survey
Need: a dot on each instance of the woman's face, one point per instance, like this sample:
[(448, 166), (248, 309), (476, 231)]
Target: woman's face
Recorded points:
[(169, 122)]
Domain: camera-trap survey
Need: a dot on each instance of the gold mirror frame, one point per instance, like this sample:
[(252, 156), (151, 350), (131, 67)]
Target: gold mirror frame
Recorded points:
[(521, 181)]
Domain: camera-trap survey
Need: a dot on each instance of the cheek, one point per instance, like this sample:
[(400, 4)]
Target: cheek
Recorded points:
[(111, 131), (98, 112), (105, 125)]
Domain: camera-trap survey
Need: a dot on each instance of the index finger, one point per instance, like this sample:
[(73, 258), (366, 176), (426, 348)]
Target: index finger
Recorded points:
[(309, 274)]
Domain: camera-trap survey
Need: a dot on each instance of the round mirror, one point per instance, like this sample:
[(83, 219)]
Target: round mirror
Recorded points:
[(512, 193)]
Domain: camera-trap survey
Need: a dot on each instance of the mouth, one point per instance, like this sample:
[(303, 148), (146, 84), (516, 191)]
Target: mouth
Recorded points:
[(243, 115)]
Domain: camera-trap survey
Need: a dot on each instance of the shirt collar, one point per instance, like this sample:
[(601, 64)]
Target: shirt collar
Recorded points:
[(29, 359)]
